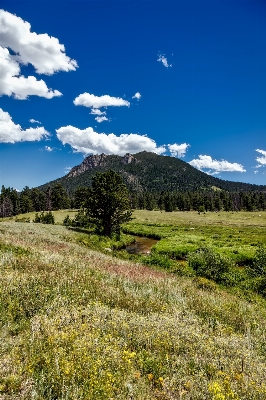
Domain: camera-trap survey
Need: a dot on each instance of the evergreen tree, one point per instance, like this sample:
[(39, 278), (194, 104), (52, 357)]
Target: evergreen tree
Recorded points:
[(6, 207), (25, 200), (107, 205), (80, 196), (59, 197), (168, 205)]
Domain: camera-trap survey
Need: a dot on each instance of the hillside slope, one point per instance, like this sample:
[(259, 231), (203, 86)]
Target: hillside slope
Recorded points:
[(148, 172), (80, 324)]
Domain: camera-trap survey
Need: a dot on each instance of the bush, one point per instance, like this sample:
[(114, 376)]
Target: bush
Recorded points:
[(158, 259), (205, 284), (258, 285), (37, 218), (209, 264), (67, 221), (258, 267), (81, 220), (44, 218)]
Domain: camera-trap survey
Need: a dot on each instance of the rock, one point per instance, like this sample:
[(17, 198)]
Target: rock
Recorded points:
[(90, 162)]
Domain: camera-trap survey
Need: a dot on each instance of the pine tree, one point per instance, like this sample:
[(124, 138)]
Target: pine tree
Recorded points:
[(107, 205)]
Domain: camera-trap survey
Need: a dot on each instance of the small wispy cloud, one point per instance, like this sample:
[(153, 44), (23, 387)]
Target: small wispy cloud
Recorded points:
[(48, 148), (96, 111), (256, 171), (161, 58), (101, 119), (261, 160), (34, 121), (67, 169), (136, 96)]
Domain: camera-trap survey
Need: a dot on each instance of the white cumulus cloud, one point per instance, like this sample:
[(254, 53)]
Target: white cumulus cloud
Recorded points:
[(178, 150), (96, 111), (12, 133), (136, 96), (101, 119), (87, 141), (261, 160), (14, 84), (215, 166), (161, 58), (45, 53), (95, 102), (34, 121)]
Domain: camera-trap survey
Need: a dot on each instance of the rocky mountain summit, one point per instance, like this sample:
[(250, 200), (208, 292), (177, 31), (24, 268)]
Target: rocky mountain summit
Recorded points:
[(97, 161), (148, 172)]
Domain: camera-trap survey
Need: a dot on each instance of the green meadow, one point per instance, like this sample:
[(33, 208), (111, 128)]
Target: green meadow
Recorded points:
[(82, 319), (236, 235)]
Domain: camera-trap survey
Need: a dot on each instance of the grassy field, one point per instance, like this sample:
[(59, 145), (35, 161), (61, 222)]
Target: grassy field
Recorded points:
[(236, 235), (79, 324)]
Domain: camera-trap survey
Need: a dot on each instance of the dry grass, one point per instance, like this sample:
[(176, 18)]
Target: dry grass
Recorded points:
[(223, 218), (77, 324)]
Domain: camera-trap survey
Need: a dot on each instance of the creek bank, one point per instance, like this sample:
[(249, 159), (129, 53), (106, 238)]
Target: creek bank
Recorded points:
[(141, 245)]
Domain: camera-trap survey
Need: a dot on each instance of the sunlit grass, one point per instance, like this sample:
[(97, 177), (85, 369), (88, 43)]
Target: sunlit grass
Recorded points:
[(77, 324), (236, 235)]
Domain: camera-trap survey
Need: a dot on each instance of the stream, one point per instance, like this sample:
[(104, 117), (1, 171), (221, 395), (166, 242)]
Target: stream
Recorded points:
[(142, 245)]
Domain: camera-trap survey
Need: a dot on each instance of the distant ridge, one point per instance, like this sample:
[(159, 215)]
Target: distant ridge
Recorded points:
[(149, 172)]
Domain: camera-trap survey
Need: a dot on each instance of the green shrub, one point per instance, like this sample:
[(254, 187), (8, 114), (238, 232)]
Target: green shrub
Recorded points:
[(67, 221), (204, 284), (209, 264), (44, 218), (258, 267), (81, 219), (158, 259), (37, 218), (258, 285)]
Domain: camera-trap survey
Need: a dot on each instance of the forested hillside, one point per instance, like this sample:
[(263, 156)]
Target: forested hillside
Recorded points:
[(148, 172), (154, 182)]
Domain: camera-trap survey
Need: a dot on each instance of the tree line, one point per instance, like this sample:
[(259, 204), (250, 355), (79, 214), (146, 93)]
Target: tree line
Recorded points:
[(56, 197)]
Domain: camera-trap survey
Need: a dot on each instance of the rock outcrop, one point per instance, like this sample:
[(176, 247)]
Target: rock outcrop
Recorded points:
[(90, 162), (98, 160)]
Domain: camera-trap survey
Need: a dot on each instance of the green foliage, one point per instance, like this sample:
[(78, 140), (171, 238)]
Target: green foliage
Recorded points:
[(209, 264), (81, 219), (201, 209), (80, 196), (67, 221), (104, 243), (158, 259), (258, 266), (205, 284), (59, 197), (44, 218), (107, 205), (257, 284)]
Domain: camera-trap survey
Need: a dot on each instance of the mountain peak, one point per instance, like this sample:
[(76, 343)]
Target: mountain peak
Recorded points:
[(90, 162), (149, 172)]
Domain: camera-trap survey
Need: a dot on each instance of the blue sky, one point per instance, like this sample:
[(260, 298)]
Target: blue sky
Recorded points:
[(181, 78)]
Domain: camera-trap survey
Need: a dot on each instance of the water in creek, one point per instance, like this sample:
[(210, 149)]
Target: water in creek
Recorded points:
[(142, 245)]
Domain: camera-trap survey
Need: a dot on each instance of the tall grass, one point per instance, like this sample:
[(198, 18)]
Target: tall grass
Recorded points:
[(77, 324)]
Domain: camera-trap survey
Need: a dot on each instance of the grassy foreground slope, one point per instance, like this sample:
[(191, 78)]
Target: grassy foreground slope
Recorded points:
[(77, 324)]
